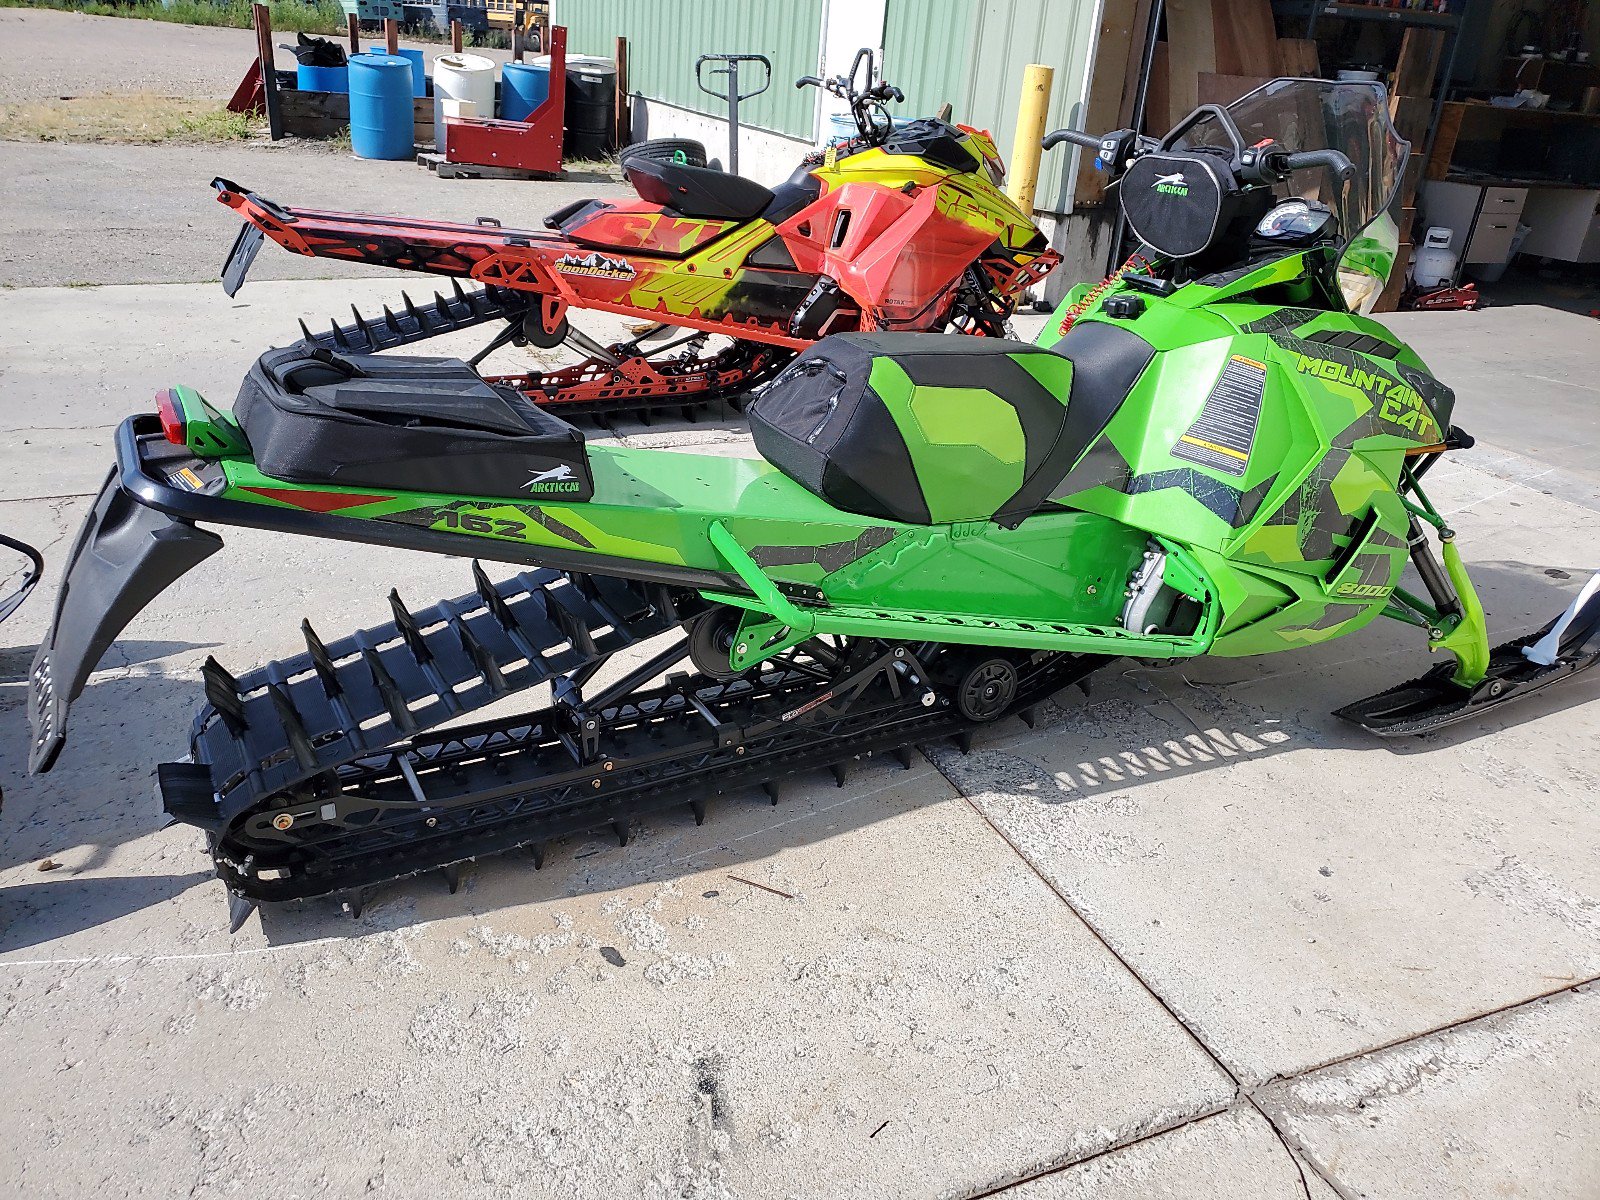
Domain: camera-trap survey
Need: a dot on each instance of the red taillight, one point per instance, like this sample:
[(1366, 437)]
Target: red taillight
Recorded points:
[(171, 413)]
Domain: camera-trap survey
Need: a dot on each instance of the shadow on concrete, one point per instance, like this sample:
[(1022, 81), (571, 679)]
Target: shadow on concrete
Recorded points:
[(1139, 724), (32, 914), (16, 660), (100, 792)]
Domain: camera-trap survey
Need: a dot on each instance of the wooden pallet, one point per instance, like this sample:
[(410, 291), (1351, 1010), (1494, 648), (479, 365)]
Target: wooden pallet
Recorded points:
[(445, 169)]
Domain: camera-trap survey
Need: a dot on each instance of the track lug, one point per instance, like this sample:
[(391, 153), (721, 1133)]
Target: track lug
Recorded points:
[(389, 692), (1082, 684), (902, 755), (964, 741), (1030, 717), (321, 661), (492, 599), (409, 631), (536, 852), (773, 790), (452, 877), (355, 902), (620, 828), (698, 808), (239, 910), (841, 772), (294, 728), (222, 693)]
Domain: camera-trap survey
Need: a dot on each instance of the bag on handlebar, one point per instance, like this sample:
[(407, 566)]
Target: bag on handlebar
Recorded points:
[(1181, 202)]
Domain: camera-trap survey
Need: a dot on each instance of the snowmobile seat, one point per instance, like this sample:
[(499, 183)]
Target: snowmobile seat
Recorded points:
[(417, 424), (697, 191), (926, 428)]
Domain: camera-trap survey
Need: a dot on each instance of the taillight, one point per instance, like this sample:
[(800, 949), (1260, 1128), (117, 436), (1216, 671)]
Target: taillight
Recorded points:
[(171, 413)]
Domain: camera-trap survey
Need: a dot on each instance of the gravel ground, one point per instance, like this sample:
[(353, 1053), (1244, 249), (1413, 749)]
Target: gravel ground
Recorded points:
[(45, 54), (146, 214)]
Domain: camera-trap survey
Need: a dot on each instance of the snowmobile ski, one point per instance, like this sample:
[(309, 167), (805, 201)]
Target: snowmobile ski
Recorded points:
[(1567, 646)]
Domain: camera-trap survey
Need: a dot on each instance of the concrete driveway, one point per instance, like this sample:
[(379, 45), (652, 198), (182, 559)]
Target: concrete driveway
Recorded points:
[(1190, 937)]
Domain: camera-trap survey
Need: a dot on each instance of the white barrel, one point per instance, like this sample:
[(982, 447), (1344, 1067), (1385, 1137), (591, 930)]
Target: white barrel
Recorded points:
[(467, 77)]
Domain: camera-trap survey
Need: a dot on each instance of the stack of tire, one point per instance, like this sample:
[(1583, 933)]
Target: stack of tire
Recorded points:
[(685, 151)]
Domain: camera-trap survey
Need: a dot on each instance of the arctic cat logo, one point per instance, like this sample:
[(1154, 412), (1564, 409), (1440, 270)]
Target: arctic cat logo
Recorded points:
[(1171, 185), (556, 479), (599, 265), (1398, 403)]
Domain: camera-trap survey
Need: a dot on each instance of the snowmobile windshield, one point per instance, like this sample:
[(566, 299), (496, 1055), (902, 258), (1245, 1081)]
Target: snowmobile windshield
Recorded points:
[(1316, 114)]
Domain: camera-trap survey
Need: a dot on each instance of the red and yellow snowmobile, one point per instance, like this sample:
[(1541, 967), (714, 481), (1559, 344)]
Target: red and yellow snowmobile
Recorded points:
[(900, 228)]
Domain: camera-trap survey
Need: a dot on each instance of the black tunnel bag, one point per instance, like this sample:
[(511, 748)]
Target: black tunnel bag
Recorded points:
[(408, 423)]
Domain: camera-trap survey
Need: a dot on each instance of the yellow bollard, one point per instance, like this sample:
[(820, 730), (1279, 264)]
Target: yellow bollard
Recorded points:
[(1022, 179)]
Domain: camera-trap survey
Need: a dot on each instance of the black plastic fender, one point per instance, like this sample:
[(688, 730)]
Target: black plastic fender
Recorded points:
[(125, 555)]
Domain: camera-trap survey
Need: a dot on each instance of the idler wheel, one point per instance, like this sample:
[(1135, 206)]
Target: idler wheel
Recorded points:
[(711, 639), (987, 690), (535, 334)]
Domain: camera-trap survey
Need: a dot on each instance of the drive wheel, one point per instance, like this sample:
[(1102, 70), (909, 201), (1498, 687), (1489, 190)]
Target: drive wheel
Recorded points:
[(711, 640), (987, 690)]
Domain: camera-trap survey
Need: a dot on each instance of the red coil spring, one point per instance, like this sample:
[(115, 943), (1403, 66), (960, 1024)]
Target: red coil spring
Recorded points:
[(1135, 263)]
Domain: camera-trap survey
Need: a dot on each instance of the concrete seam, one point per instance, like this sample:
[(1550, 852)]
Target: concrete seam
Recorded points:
[(1510, 1006), (1113, 1149), (1297, 1152), (1240, 1089)]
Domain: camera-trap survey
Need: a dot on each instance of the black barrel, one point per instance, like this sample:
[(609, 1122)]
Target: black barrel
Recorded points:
[(591, 107)]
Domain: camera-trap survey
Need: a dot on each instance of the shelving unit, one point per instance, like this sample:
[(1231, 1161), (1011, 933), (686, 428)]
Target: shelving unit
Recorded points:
[(1316, 11)]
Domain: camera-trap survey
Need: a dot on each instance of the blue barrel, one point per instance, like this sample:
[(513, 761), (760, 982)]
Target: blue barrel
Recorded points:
[(322, 79), (419, 72), (523, 87), (381, 118)]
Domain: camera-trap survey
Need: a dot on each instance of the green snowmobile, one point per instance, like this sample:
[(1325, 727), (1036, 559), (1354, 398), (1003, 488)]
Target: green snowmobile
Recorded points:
[(1211, 453)]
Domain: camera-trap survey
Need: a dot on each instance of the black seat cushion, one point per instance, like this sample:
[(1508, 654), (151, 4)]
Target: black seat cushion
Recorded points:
[(1107, 361), (933, 429), (801, 189), (697, 191), (416, 424)]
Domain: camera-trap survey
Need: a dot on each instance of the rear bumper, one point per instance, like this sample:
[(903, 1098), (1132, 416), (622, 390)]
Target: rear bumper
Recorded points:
[(125, 555)]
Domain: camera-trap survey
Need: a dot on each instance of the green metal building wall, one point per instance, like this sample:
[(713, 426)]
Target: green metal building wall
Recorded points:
[(666, 36), (972, 54)]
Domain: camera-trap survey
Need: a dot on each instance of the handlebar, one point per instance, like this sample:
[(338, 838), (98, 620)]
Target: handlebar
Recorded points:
[(1056, 137), (1332, 159), (810, 81)]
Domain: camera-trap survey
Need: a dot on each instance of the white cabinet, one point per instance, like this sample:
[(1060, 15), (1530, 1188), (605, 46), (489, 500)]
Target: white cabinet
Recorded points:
[(1566, 224), (1483, 219)]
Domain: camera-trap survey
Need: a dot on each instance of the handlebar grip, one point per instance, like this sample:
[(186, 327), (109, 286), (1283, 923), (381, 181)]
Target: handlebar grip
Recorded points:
[(1332, 159), (1056, 137), (808, 81)]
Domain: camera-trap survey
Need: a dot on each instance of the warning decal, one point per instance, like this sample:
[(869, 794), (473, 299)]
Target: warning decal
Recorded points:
[(1222, 436)]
